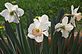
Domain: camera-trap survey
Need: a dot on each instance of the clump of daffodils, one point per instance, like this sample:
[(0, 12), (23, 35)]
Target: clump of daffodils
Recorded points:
[(41, 25), (64, 27), (12, 13), (39, 28), (75, 15)]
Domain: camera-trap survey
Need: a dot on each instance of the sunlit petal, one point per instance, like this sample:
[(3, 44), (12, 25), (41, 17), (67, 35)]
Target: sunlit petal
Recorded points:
[(78, 16), (73, 21), (31, 27), (43, 18), (8, 6), (31, 36), (45, 26), (65, 34), (36, 23), (68, 27), (46, 33), (20, 12), (15, 21), (58, 25), (39, 38), (72, 8), (4, 13), (65, 20), (75, 10)]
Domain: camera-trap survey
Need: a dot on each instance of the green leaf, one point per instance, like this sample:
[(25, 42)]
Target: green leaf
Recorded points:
[(45, 46), (23, 40), (3, 45), (4, 48), (32, 43), (75, 46), (5, 41), (54, 35), (12, 37), (80, 47)]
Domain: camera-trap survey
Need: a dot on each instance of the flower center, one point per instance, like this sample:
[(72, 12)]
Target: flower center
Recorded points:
[(63, 27), (37, 32), (12, 13)]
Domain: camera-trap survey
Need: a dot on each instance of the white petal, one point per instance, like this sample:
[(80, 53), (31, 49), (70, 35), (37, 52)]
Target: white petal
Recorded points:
[(43, 18), (72, 8), (39, 38), (10, 18), (65, 33), (65, 20), (48, 23), (46, 33), (76, 9), (58, 25), (20, 12), (78, 16), (44, 27), (15, 7), (73, 21), (4, 13), (11, 7), (31, 27), (15, 20), (31, 36), (8, 6), (68, 27), (58, 29), (36, 23)]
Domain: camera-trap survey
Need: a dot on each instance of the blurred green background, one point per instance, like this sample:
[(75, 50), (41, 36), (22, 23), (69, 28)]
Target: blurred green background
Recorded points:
[(35, 8)]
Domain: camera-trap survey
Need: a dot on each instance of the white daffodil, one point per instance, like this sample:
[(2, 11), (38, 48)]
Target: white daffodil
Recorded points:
[(76, 16), (64, 27), (39, 27), (12, 13)]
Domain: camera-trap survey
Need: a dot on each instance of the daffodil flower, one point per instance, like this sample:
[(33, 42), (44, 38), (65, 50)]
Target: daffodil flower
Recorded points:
[(12, 13), (39, 28), (76, 15), (64, 27)]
